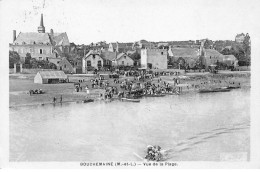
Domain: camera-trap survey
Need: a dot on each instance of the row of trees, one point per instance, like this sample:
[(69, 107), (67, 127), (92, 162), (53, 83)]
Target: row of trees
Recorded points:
[(29, 62)]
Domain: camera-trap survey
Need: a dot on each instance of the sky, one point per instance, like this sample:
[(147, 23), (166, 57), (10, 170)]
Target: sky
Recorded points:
[(87, 21)]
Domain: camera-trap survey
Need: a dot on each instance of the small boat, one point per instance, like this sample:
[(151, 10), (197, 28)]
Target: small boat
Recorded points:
[(88, 100), (154, 95), (233, 87), (130, 100), (214, 90)]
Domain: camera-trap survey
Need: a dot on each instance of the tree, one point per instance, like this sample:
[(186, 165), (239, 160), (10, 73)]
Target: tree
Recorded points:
[(28, 58), (13, 58), (135, 56)]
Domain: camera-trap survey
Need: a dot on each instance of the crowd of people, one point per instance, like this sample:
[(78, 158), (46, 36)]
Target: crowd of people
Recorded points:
[(153, 153)]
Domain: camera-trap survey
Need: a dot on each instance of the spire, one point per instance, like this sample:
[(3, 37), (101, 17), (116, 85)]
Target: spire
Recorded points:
[(41, 20), (41, 28)]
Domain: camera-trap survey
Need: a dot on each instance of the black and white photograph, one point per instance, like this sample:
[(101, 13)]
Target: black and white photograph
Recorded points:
[(130, 83)]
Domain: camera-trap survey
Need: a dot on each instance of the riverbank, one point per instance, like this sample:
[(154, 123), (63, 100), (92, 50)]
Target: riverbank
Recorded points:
[(20, 84)]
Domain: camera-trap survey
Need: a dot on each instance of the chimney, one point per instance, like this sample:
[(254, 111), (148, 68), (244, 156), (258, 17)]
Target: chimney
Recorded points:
[(14, 35)]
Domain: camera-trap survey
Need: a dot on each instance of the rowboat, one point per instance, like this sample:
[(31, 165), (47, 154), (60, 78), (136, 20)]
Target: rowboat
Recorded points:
[(214, 90), (130, 100), (88, 100), (164, 156), (233, 87), (154, 95)]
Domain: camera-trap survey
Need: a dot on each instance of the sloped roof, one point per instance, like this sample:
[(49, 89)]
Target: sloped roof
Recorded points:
[(185, 52), (33, 37), (92, 52), (212, 53), (61, 39), (53, 74), (42, 38), (122, 54), (108, 55)]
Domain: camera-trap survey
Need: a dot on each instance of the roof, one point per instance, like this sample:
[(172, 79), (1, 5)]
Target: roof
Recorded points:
[(91, 52), (212, 53), (108, 55), (42, 38), (61, 39), (185, 52), (52, 74), (122, 54), (33, 38)]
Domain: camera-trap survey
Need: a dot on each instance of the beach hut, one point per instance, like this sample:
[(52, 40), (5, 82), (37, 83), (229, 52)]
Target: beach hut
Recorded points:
[(50, 77)]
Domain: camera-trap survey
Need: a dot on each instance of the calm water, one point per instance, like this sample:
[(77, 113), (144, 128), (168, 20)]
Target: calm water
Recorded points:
[(195, 126)]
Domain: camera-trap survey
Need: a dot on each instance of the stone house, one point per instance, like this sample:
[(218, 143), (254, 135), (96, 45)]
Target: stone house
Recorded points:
[(184, 56), (41, 45), (154, 58), (123, 59)]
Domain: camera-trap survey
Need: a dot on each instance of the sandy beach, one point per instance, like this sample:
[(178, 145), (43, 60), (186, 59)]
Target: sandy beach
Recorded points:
[(19, 85)]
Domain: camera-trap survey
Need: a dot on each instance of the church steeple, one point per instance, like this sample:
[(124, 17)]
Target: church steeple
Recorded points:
[(41, 28)]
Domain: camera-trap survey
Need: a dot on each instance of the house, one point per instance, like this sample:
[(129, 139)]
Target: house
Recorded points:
[(230, 60), (41, 45), (184, 56), (154, 58), (65, 66), (123, 59), (94, 60), (50, 77), (212, 57), (109, 57)]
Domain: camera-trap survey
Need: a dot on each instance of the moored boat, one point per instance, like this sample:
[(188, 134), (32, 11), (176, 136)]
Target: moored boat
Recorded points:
[(154, 95), (88, 100), (233, 87), (130, 100), (214, 90)]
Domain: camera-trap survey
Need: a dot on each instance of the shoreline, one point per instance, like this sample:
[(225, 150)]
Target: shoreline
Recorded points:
[(192, 81)]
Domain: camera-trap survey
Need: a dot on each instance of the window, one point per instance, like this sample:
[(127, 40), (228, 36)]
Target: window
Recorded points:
[(88, 63), (40, 58), (40, 51), (93, 56), (47, 58), (99, 63), (161, 53), (65, 66), (125, 57), (123, 62)]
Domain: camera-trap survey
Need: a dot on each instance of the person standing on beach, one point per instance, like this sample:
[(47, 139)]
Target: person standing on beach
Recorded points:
[(61, 99), (54, 99)]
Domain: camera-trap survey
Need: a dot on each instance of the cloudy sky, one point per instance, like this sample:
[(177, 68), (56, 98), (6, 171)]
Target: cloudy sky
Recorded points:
[(87, 21)]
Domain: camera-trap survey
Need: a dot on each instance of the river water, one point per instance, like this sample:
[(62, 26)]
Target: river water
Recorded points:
[(196, 127)]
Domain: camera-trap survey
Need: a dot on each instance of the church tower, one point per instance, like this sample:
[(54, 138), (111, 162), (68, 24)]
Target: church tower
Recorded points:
[(41, 28)]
